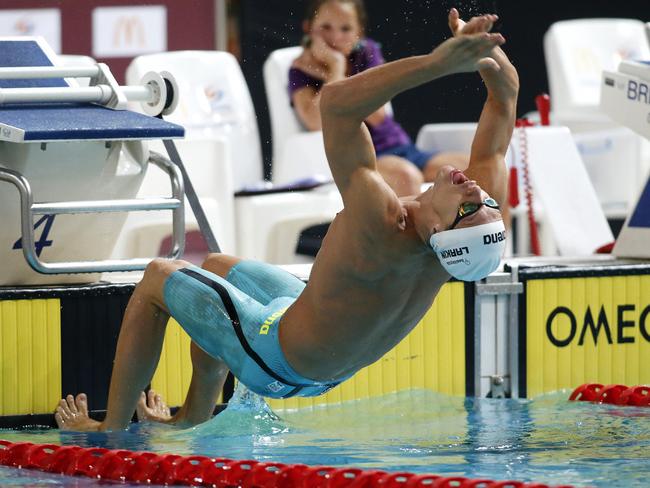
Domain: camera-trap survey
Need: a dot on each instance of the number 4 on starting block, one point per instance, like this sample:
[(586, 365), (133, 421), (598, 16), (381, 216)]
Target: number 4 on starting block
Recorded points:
[(46, 221)]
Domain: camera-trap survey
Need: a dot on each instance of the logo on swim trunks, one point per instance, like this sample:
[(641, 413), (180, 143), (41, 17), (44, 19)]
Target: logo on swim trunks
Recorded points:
[(264, 329), (275, 387)]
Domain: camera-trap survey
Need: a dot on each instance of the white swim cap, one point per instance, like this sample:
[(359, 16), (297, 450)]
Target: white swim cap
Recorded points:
[(470, 253)]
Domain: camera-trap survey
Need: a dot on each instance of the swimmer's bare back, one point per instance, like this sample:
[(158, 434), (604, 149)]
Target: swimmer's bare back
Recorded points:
[(365, 293)]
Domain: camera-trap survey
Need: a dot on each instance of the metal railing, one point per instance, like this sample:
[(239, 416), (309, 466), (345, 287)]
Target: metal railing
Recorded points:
[(28, 209)]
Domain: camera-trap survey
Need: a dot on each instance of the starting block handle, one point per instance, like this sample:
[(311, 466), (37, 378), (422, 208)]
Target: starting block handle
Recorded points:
[(91, 94), (158, 92), (28, 209), (32, 72)]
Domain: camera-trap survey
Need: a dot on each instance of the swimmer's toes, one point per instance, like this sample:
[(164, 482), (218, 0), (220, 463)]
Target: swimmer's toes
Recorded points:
[(141, 407), (58, 418), (160, 403), (72, 414), (151, 398), (161, 406), (71, 403), (64, 408), (82, 404), (152, 407), (63, 413)]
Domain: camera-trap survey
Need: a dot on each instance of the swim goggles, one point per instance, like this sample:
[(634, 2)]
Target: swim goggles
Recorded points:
[(468, 208)]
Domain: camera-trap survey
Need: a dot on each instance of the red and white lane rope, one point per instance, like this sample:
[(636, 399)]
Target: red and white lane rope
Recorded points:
[(170, 469)]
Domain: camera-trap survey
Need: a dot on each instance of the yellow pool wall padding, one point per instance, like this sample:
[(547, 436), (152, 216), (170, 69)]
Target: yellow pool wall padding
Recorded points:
[(551, 368), (30, 344)]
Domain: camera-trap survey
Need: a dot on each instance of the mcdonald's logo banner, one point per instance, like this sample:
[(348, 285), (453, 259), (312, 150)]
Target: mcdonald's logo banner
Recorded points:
[(122, 32)]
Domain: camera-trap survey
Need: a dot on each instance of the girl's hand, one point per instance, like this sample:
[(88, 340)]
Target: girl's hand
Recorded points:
[(326, 54), (320, 61)]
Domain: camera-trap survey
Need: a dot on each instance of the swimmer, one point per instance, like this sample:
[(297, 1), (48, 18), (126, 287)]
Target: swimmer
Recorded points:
[(381, 265), (335, 47)]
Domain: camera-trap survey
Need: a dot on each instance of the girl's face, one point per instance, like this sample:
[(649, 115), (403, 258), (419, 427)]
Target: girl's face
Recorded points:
[(338, 25)]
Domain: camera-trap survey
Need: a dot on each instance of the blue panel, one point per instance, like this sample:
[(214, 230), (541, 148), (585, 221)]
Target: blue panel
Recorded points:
[(641, 215), (68, 121), (25, 53)]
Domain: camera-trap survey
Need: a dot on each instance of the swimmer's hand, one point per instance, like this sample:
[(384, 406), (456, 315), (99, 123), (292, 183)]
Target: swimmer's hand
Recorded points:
[(459, 27), (467, 53)]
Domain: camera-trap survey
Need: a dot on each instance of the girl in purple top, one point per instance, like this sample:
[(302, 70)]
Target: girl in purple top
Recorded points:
[(334, 49)]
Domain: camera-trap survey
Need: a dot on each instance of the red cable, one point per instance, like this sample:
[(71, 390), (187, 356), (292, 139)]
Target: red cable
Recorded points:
[(543, 103), (532, 224)]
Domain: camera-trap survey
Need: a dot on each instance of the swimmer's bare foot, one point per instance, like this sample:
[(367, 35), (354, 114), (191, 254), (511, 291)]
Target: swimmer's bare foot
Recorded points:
[(153, 408), (72, 414)]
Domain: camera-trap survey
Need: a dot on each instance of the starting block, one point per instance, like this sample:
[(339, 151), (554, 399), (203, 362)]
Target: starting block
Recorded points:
[(68, 150), (625, 97)]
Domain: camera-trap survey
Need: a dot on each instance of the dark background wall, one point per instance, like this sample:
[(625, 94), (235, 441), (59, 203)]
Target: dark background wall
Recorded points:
[(408, 27)]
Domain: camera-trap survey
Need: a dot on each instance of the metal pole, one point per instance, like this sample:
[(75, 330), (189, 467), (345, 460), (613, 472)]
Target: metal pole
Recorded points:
[(91, 94), (29, 72), (197, 209)]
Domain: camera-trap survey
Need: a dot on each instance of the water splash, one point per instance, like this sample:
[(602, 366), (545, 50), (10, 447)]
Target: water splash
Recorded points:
[(247, 414)]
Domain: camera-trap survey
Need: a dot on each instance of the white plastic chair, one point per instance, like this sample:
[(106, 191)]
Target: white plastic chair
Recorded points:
[(576, 53), (214, 102), (297, 153), (208, 164), (455, 137), (213, 130), (222, 154)]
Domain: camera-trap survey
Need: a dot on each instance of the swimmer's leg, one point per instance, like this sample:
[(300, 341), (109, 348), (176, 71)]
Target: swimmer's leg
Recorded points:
[(138, 351), (400, 174), (263, 282), (456, 159), (208, 377), (208, 374), (220, 264)]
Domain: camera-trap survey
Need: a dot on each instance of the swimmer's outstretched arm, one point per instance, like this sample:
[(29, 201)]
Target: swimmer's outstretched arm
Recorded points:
[(346, 103), (487, 165)]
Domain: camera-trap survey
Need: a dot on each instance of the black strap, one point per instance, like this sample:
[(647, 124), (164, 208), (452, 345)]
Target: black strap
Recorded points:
[(234, 319)]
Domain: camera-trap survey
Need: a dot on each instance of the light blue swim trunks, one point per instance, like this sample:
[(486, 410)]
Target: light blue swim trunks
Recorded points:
[(237, 319)]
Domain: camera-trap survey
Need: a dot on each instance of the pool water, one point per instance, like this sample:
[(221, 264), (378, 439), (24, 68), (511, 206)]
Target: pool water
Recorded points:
[(549, 439)]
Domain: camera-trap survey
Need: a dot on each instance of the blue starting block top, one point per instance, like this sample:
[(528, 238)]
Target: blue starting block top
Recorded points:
[(45, 122)]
